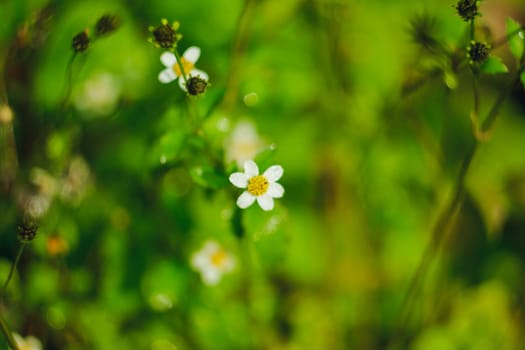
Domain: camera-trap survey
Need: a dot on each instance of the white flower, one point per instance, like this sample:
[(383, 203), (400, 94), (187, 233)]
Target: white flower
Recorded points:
[(263, 187), (27, 343), (243, 144), (212, 261), (172, 71)]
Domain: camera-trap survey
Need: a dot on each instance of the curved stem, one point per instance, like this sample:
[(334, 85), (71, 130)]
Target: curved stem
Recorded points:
[(13, 268), (444, 223), (68, 81), (8, 334)]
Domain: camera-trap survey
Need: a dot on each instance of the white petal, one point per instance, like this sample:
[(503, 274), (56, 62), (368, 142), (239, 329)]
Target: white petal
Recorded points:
[(274, 173), (245, 200), (211, 276), (239, 180), (33, 343), (200, 73), (167, 76), (199, 260), (275, 190), (210, 247), (192, 54), (182, 84), (168, 59), (265, 202), (250, 168)]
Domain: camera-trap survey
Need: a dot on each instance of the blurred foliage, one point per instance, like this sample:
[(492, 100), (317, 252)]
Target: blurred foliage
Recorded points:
[(367, 105)]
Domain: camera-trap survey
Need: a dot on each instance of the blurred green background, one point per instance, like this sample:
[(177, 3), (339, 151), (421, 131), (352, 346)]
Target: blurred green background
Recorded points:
[(369, 127)]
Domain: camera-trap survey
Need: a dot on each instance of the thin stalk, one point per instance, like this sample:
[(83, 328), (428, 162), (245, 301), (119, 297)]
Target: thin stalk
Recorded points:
[(8, 334), (68, 81), (181, 66), (13, 268), (444, 223)]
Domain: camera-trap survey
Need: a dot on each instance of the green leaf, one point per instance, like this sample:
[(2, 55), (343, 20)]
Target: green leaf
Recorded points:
[(522, 77), (493, 65), (517, 40)]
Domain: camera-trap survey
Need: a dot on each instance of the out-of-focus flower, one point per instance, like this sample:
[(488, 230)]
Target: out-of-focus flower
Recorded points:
[(243, 144), (27, 343), (262, 188), (76, 181), (173, 71), (80, 42), (212, 261), (6, 114), (106, 25), (56, 245), (99, 95)]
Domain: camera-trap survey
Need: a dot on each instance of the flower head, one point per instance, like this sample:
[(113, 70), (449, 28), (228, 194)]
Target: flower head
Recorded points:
[(165, 36), (27, 230), (80, 42), (262, 188), (173, 70), (196, 85), (467, 9), (27, 343), (478, 52), (212, 261), (106, 24)]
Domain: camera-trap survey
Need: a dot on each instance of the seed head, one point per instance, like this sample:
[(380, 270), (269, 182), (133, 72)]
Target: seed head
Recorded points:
[(80, 42), (106, 24), (165, 36), (196, 85), (478, 52), (467, 9), (27, 230)]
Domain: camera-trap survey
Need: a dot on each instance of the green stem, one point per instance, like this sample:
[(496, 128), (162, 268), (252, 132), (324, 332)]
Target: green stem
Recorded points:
[(445, 220), (68, 81), (472, 29), (8, 334), (13, 268), (181, 66)]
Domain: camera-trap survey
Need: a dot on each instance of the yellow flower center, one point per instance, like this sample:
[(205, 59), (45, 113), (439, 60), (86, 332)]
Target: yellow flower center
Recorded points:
[(218, 259), (258, 185), (187, 65)]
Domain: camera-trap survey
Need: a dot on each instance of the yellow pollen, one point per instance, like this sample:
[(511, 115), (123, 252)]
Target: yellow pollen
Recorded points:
[(258, 185), (218, 258), (188, 67)]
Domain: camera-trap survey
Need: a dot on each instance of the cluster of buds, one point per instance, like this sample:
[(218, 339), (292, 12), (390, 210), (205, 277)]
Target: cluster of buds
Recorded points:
[(105, 25)]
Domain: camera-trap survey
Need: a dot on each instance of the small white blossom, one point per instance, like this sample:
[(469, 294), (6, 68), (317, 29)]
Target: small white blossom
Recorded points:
[(173, 71), (262, 188), (212, 261), (243, 144), (27, 343)]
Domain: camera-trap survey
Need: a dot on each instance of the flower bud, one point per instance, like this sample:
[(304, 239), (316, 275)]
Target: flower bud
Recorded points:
[(80, 42), (478, 52), (196, 85), (106, 24), (27, 230), (165, 35), (467, 9)]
